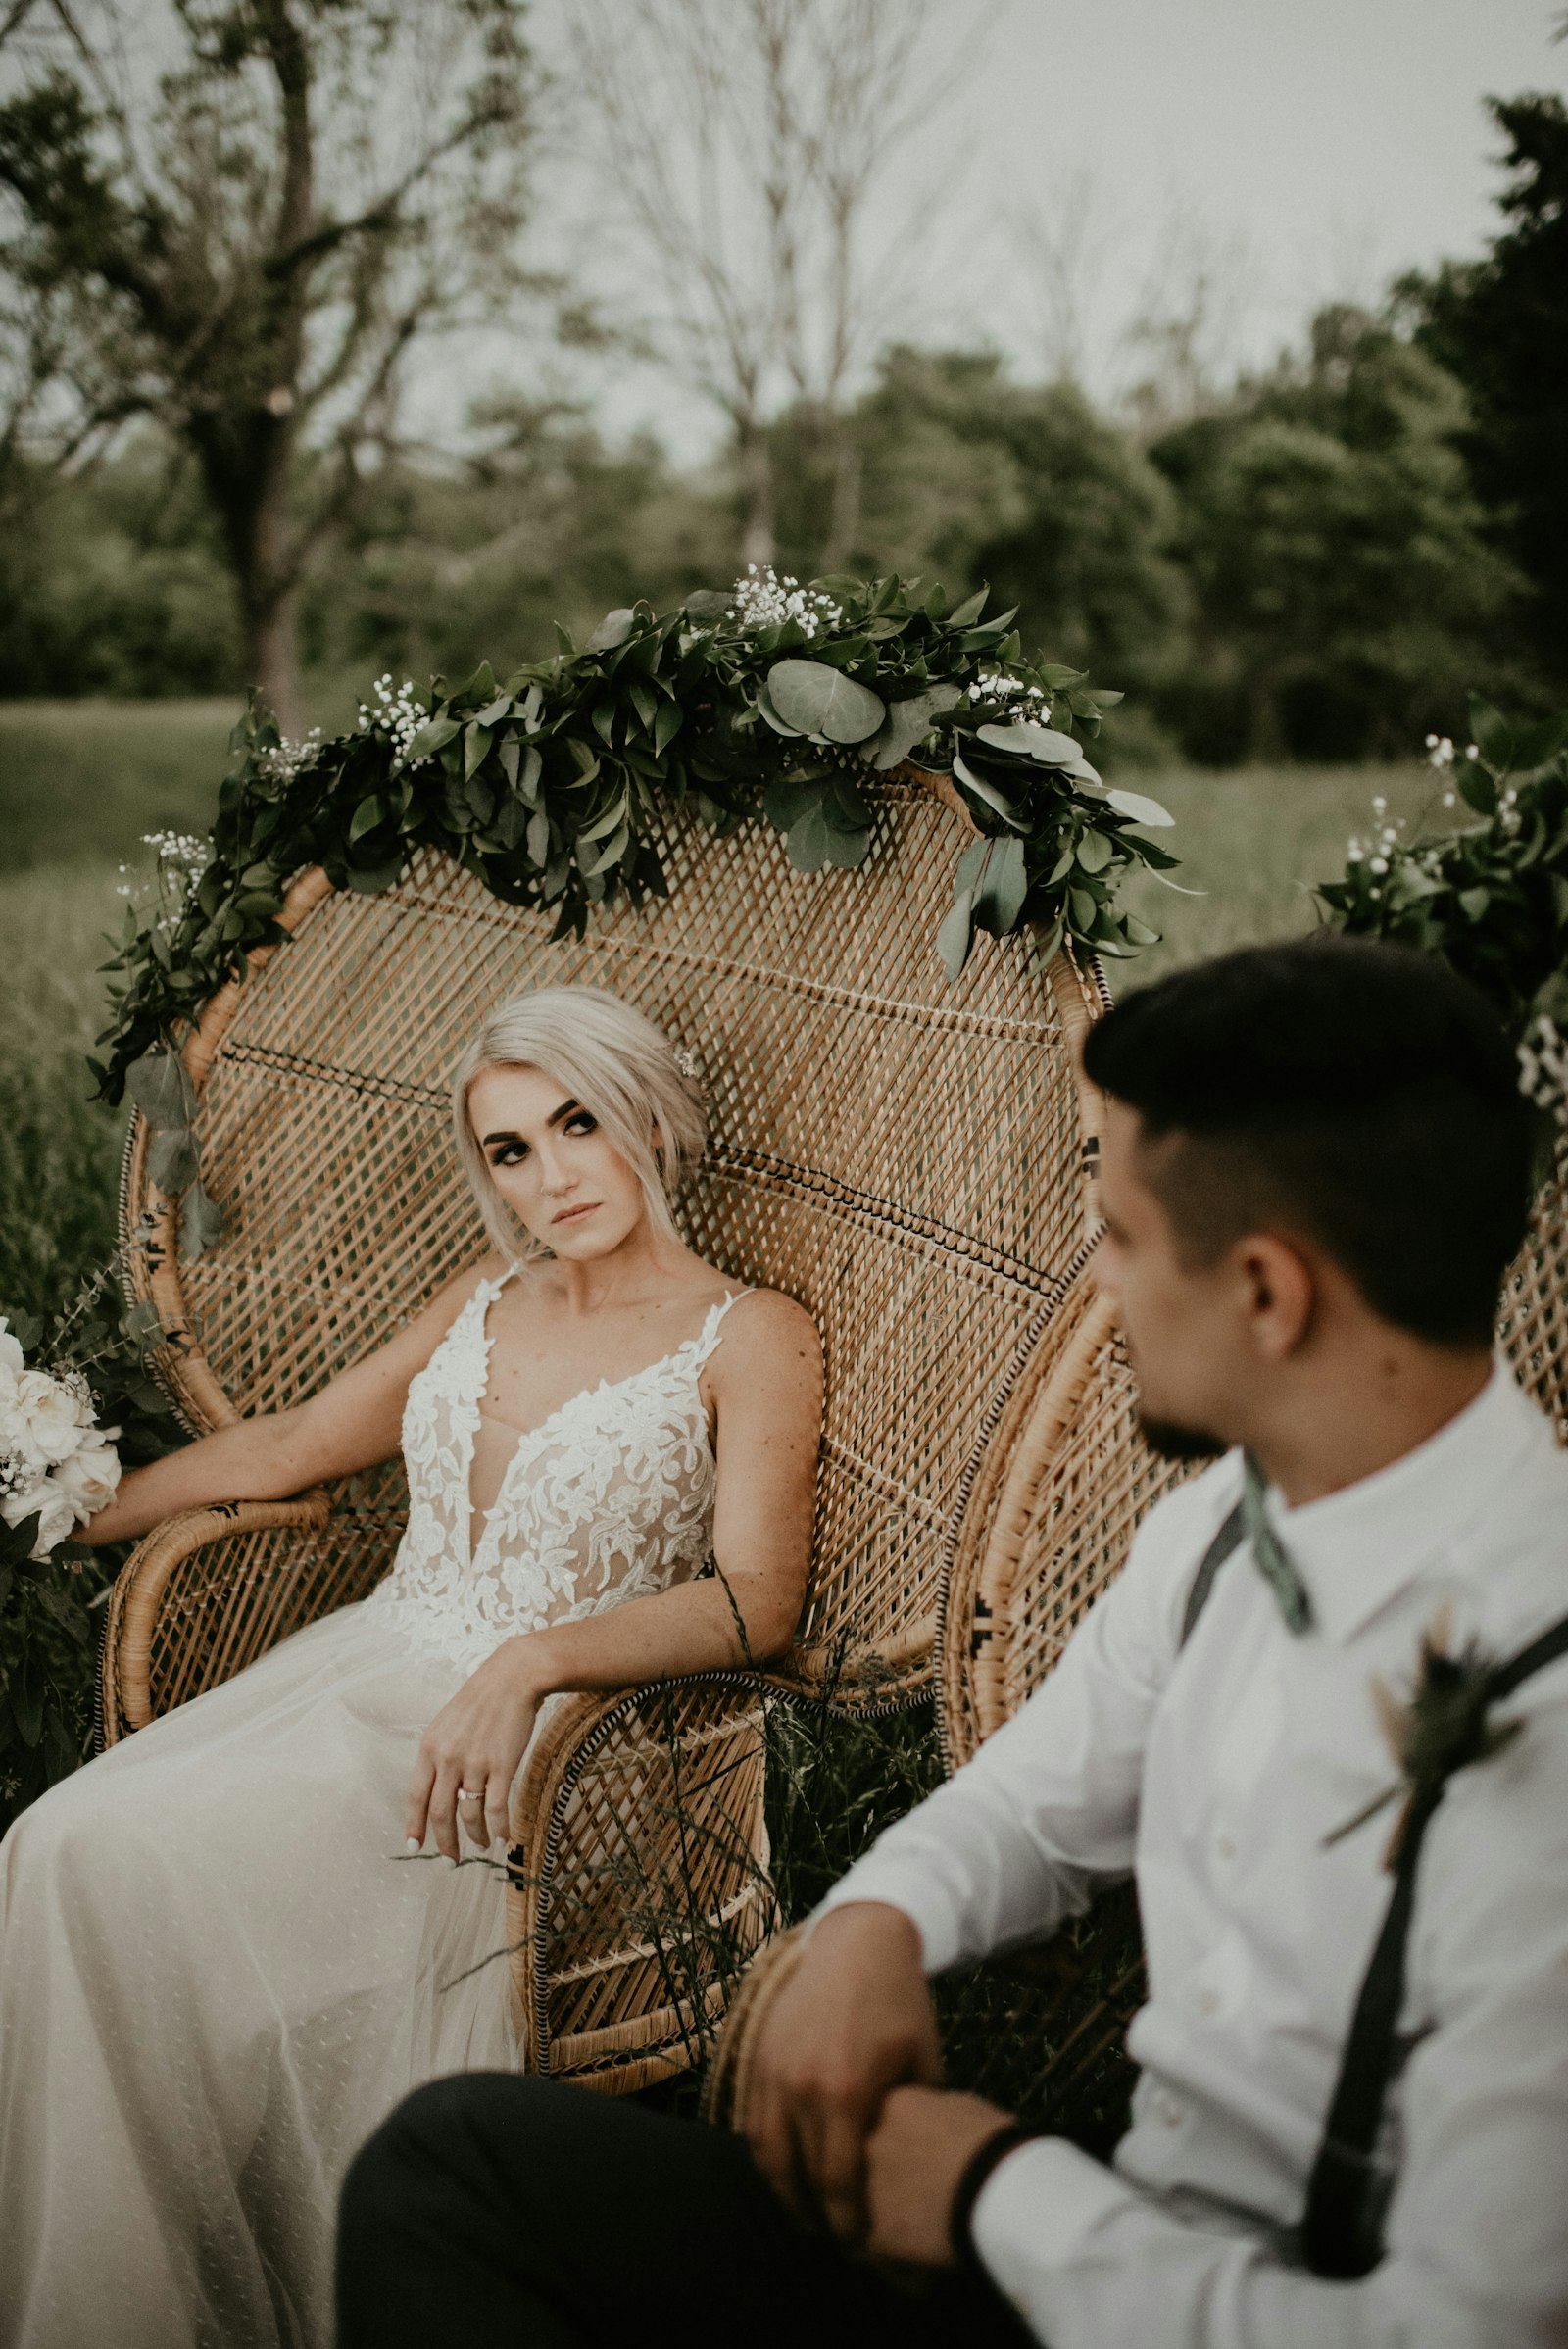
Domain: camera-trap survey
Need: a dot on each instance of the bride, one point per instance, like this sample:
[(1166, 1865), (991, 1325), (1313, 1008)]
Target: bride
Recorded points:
[(221, 1961)]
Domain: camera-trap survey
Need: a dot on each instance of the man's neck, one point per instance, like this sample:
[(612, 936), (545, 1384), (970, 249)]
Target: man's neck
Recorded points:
[(1345, 1427)]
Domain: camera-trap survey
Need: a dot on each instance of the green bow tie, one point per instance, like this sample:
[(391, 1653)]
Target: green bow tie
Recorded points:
[(1268, 1551)]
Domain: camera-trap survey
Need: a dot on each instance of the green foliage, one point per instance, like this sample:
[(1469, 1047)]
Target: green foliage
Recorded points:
[(1492, 897), (553, 785), (1500, 326), (1337, 553), (962, 472)]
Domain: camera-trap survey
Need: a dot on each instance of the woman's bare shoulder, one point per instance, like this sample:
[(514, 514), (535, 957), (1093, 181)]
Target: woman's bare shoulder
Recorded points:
[(764, 1323)]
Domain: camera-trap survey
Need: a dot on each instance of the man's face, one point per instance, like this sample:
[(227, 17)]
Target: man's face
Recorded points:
[(1184, 1332)]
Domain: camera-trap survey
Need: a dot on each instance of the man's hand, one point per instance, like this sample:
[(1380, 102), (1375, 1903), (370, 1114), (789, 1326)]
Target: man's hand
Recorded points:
[(855, 2022), (916, 2156)]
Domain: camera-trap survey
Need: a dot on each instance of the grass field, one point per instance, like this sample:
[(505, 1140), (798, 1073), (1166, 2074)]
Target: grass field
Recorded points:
[(81, 783)]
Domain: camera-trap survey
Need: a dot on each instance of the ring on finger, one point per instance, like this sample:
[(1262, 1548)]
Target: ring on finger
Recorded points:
[(468, 1794)]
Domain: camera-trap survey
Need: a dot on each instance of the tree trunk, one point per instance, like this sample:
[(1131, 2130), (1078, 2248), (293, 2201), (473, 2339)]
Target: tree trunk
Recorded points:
[(757, 482), (271, 658), (844, 511)]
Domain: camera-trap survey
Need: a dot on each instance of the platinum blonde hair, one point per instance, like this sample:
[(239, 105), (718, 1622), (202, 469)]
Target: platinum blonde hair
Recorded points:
[(620, 1068)]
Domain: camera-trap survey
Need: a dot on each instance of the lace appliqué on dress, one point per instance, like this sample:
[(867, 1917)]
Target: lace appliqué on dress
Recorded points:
[(609, 1498)]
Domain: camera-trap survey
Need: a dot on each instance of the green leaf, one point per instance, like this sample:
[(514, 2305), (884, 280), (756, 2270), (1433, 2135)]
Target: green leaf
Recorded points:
[(818, 700), (1045, 743), (481, 687), (1138, 810), (1538, 745), (907, 723), (808, 839), (604, 720), (1084, 906), (1475, 903), (475, 748), (1093, 851), (1477, 787), (160, 1084), (769, 715), (201, 1223), (982, 790), (534, 767), (969, 611), (1492, 735), (709, 606), (607, 822), (956, 935), (611, 854), (1003, 886), (614, 629), (667, 725), (367, 815), (171, 1158), (433, 736), (539, 839), (787, 798)]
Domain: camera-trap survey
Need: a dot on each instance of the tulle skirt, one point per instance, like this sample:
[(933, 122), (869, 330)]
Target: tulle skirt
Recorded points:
[(218, 1974)]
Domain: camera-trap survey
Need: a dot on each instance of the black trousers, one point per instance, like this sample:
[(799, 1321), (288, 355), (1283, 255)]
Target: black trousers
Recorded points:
[(523, 2214)]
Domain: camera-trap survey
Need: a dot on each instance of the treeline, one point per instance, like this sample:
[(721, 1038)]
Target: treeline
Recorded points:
[(1315, 567)]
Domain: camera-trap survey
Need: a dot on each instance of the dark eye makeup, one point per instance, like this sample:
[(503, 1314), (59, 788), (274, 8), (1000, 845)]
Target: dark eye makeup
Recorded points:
[(513, 1153)]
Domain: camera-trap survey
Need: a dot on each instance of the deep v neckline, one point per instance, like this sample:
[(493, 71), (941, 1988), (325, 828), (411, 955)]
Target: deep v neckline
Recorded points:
[(530, 1436)]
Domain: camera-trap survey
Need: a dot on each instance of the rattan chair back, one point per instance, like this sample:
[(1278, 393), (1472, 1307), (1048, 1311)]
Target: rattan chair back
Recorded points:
[(905, 1158)]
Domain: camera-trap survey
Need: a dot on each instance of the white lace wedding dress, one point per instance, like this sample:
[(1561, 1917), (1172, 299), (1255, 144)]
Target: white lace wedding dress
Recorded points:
[(216, 1971)]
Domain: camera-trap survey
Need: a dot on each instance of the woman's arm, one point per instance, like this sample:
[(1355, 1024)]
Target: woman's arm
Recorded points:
[(353, 1422), (766, 1383)]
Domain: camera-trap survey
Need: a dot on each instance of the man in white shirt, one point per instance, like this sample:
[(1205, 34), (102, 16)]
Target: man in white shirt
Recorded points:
[(1314, 1173)]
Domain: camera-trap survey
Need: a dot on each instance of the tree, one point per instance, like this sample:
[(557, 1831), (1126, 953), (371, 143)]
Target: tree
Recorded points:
[(968, 477), (238, 216), (1500, 325), (743, 140), (1342, 584)]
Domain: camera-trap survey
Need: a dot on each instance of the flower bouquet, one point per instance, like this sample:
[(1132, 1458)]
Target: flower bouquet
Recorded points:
[(56, 1463)]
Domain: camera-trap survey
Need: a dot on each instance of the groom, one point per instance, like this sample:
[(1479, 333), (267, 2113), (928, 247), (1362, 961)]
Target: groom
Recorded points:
[(1314, 1173)]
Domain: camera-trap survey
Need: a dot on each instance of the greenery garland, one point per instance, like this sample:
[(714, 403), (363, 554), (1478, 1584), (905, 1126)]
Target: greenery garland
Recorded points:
[(769, 701), (1491, 897)]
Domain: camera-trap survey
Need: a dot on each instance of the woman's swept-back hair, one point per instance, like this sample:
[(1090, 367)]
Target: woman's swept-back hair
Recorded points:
[(617, 1064)]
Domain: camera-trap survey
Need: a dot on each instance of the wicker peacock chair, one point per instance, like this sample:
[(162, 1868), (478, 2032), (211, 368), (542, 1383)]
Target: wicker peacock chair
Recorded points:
[(905, 1158), (1050, 1502)]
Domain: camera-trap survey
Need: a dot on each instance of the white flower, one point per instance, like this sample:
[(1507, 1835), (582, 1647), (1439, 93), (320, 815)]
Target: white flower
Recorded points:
[(90, 1477), (46, 1416), (12, 1358), (1472, 750), (1379, 865), (1439, 751), (57, 1517)]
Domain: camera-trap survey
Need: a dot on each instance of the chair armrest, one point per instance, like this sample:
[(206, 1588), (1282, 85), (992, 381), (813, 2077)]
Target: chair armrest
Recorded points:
[(729, 2074), (637, 1887), (210, 1589)]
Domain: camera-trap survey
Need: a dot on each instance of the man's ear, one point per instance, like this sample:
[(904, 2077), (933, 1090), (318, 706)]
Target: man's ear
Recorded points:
[(1278, 1291)]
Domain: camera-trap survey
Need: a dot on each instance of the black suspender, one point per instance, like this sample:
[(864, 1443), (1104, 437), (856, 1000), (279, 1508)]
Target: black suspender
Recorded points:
[(1342, 2230)]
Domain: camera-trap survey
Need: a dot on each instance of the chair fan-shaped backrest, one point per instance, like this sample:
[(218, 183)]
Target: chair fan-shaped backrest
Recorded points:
[(904, 1157)]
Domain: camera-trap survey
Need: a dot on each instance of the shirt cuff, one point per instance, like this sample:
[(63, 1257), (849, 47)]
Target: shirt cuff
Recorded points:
[(903, 1890), (1038, 2208)]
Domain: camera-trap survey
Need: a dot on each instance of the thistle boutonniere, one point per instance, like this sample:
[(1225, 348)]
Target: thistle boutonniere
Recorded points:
[(1440, 1727)]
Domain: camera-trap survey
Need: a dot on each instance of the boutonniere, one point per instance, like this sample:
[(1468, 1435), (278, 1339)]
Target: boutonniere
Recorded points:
[(1441, 1727)]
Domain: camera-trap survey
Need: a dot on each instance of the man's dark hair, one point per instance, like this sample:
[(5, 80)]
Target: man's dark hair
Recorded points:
[(1360, 1095)]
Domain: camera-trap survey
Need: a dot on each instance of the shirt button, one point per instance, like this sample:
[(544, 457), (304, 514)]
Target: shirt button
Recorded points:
[(1169, 2111), (1224, 1846), (1207, 2002)]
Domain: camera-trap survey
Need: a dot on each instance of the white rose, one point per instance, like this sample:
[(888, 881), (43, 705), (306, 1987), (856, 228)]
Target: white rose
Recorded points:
[(12, 1358), (48, 1415), (53, 1509), (88, 1479)]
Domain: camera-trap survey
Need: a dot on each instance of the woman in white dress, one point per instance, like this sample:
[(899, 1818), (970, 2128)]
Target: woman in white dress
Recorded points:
[(220, 1963)]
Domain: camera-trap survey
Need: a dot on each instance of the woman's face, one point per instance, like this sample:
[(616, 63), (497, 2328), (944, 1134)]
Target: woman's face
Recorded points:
[(557, 1172)]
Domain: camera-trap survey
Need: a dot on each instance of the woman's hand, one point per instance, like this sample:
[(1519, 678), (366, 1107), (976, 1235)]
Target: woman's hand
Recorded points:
[(475, 1746)]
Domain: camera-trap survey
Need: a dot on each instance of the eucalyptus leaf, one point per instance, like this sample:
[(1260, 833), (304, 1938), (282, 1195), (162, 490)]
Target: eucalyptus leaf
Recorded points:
[(1003, 886), (769, 715), (785, 799), (907, 725), (201, 1223), (1093, 851), (160, 1084), (1138, 810), (956, 935), (808, 839), (982, 790), (817, 699), (171, 1160)]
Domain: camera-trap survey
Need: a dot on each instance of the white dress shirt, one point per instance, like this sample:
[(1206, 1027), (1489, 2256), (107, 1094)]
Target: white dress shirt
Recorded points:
[(1215, 1772)]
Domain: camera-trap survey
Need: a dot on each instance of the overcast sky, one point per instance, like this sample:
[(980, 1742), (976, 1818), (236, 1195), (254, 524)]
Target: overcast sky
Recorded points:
[(1300, 150)]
